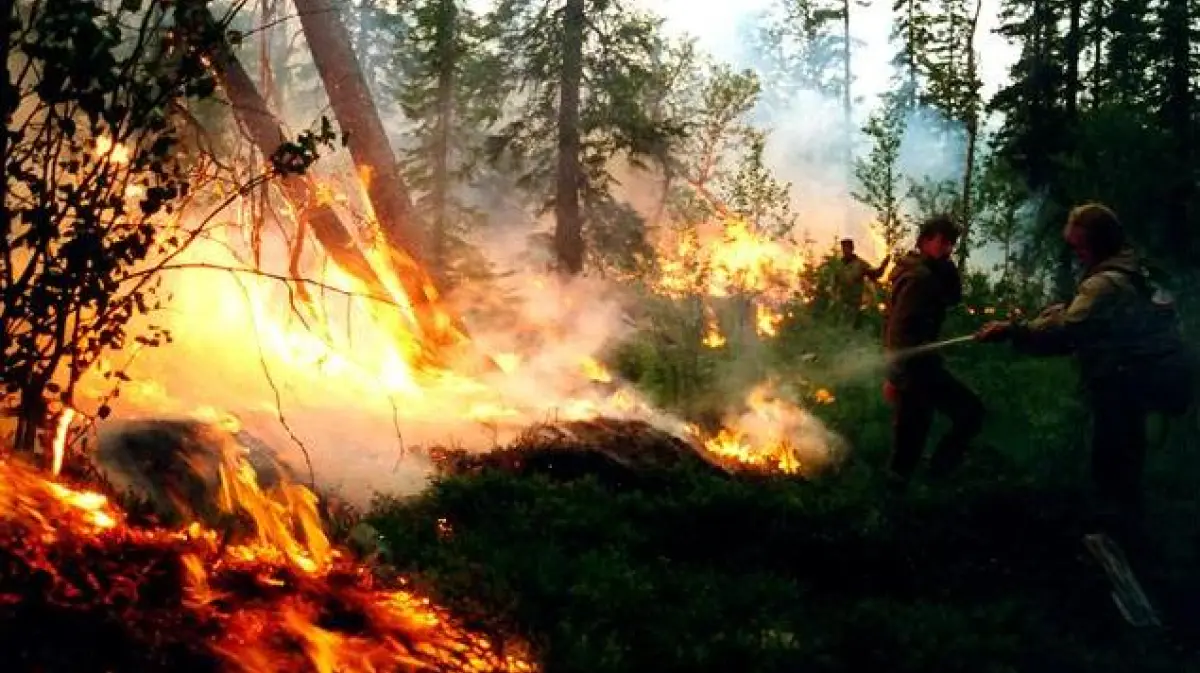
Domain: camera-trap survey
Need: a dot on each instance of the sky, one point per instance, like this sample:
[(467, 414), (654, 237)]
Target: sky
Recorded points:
[(715, 22)]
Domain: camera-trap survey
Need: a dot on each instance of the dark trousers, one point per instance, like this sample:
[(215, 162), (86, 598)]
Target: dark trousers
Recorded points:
[(1118, 455), (931, 390)]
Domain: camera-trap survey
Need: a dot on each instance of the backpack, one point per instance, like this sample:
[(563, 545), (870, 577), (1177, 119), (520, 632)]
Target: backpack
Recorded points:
[(1167, 382)]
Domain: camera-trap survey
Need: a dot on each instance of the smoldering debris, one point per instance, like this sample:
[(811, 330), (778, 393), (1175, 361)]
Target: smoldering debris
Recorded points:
[(616, 451)]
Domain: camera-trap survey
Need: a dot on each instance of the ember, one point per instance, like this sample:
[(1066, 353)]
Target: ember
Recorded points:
[(82, 589)]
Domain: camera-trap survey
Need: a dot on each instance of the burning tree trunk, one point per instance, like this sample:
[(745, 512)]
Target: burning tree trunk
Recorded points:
[(266, 133), (264, 130), (355, 110), (568, 228)]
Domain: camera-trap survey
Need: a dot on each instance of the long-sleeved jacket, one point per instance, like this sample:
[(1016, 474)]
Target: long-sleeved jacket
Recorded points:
[(922, 290), (1122, 330)]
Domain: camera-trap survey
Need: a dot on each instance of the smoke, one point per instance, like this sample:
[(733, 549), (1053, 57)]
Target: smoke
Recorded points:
[(244, 357), (347, 401)]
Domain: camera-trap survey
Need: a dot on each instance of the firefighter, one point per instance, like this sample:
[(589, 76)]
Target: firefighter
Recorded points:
[(924, 285), (1123, 330), (850, 281)]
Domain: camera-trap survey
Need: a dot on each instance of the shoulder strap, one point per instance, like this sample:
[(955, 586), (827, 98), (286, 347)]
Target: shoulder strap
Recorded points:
[(1157, 298), (1141, 284)]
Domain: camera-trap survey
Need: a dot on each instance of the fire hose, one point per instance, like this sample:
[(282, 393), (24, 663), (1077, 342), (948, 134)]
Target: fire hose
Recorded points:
[(930, 347)]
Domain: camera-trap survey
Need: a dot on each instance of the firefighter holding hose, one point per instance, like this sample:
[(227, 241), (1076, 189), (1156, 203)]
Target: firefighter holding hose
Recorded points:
[(924, 285), (1123, 330)]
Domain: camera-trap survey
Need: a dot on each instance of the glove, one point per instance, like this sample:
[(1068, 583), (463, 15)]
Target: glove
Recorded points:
[(889, 392), (994, 332), (1052, 310)]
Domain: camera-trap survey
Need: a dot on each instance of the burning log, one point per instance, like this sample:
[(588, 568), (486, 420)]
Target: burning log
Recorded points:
[(82, 590)]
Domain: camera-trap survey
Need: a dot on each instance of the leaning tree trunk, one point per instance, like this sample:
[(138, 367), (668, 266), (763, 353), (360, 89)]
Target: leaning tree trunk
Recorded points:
[(350, 98), (355, 110), (568, 229), (266, 133)]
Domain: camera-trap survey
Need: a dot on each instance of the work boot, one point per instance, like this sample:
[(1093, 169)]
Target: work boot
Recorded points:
[(946, 462), (896, 484)]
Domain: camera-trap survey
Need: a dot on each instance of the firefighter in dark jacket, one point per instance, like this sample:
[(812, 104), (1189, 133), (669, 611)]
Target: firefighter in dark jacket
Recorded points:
[(1124, 333), (924, 284)]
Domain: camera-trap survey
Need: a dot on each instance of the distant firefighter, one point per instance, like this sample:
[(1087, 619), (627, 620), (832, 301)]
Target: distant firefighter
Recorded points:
[(850, 278)]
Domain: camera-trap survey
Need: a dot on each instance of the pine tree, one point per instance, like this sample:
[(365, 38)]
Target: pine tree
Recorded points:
[(450, 92), (582, 72), (755, 195), (878, 175), (714, 105)]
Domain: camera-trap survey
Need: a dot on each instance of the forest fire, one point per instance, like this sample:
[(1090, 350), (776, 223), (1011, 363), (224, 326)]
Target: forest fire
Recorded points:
[(729, 258), (355, 342), (141, 598), (332, 347)]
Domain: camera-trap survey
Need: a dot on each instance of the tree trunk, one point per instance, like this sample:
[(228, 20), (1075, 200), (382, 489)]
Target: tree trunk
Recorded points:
[(847, 112), (568, 229), (1177, 117), (972, 122), (911, 55), (266, 133), (350, 98), (1097, 21), (447, 36), (8, 104), (1073, 49)]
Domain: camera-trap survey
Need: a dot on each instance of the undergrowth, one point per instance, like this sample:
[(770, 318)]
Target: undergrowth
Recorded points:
[(983, 572)]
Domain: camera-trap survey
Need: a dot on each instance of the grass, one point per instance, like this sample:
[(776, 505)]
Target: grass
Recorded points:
[(985, 572)]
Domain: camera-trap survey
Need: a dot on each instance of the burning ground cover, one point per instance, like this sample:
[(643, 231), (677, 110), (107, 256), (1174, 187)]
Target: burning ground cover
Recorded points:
[(82, 588)]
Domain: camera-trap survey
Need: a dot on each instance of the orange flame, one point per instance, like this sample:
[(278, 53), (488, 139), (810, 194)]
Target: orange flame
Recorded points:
[(59, 446), (400, 629), (772, 433)]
